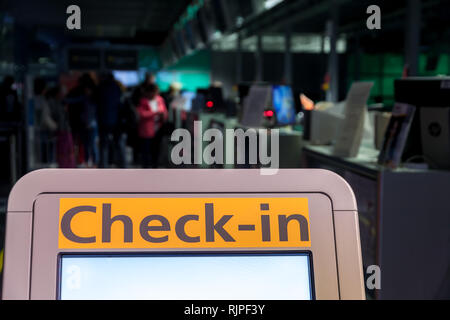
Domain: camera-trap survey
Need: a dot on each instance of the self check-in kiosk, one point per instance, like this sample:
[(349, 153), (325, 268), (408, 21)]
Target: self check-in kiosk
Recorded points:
[(182, 234)]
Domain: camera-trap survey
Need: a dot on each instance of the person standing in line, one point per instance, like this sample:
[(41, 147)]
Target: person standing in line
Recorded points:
[(90, 122), (173, 94), (83, 110), (45, 125), (152, 114), (131, 113), (65, 153), (149, 79), (112, 137)]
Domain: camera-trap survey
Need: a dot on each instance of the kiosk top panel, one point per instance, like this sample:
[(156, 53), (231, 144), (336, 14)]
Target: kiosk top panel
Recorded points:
[(43, 181)]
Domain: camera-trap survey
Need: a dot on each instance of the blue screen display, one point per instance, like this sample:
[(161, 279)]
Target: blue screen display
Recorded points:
[(187, 277), (283, 103)]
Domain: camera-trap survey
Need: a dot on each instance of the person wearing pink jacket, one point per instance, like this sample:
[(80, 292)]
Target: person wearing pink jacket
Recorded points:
[(152, 114)]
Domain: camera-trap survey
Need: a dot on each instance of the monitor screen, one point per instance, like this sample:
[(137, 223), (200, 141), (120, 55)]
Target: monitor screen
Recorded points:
[(227, 276), (421, 92), (127, 78), (283, 103)]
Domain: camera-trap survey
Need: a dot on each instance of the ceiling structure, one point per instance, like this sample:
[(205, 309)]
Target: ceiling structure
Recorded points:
[(310, 17), (149, 22), (143, 22)]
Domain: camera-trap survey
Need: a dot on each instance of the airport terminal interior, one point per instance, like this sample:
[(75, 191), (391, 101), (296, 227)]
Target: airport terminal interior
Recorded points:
[(359, 88)]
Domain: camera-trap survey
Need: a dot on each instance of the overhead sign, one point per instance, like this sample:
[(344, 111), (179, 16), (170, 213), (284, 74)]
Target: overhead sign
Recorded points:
[(84, 59), (121, 59), (140, 223)]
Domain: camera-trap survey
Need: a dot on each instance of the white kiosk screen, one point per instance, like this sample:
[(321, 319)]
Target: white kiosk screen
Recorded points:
[(255, 276)]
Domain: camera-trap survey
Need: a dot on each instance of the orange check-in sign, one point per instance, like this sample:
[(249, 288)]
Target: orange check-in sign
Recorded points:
[(142, 223)]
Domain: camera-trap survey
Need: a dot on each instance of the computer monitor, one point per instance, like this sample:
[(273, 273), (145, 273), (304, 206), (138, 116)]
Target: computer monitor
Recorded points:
[(423, 93), (209, 100), (283, 103)]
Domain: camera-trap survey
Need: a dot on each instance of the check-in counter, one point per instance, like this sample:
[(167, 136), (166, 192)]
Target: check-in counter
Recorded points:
[(404, 219)]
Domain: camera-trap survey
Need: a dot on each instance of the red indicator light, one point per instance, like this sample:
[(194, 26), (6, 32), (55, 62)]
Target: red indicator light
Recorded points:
[(210, 104), (268, 113)]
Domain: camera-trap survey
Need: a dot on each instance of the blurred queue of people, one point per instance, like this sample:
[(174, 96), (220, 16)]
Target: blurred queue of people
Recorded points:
[(92, 125)]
